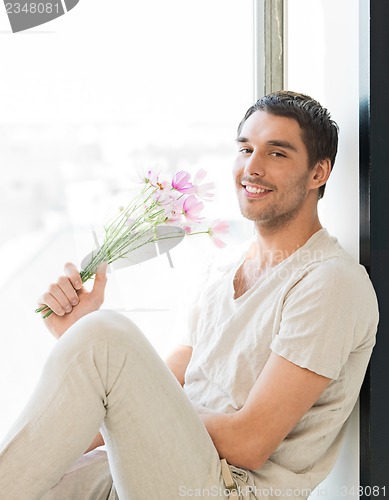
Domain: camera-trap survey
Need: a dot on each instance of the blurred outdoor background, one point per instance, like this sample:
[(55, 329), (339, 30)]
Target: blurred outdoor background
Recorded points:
[(88, 101)]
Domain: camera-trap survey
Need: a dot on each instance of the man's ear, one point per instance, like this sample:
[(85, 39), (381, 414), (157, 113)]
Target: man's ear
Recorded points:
[(320, 173)]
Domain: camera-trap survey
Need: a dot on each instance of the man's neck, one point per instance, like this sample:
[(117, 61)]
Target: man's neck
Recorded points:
[(274, 246), (269, 249)]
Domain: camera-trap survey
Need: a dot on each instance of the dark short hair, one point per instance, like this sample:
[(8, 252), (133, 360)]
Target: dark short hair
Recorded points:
[(319, 131)]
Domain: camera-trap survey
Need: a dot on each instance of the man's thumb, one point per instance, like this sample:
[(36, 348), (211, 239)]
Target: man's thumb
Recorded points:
[(100, 278)]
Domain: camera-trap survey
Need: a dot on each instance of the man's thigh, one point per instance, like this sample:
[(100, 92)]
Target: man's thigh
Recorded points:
[(88, 479)]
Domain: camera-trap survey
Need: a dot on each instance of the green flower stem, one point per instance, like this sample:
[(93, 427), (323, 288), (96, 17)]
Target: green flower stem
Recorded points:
[(109, 255), (125, 232)]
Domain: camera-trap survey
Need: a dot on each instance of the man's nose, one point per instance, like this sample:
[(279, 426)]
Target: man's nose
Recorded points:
[(255, 166)]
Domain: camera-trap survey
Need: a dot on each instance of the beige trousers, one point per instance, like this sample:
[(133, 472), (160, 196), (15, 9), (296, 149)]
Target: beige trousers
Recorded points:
[(103, 374), (89, 478)]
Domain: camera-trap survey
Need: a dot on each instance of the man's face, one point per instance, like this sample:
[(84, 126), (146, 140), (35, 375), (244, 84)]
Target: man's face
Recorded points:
[(271, 170)]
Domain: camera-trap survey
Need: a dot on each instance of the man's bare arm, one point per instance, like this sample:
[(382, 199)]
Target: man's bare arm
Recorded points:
[(282, 394), (178, 361)]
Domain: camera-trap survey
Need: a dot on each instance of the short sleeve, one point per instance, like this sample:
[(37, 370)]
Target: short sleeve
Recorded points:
[(328, 313), (186, 326)]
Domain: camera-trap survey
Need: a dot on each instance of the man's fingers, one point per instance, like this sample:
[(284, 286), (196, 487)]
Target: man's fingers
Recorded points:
[(62, 296), (66, 293), (55, 299), (72, 273)]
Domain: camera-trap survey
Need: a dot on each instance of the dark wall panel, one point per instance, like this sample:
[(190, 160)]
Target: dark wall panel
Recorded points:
[(374, 184)]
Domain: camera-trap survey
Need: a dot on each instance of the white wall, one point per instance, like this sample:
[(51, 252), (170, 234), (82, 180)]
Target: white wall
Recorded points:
[(322, 60)]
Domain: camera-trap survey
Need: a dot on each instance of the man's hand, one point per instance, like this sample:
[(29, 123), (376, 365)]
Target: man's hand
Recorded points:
[(69, 300)]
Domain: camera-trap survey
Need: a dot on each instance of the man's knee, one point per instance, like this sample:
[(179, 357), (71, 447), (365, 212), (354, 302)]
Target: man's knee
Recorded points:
[(100, 331), (102, 325)]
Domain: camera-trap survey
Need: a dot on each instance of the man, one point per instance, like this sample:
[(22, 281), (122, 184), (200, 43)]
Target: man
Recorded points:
[(271, 366)]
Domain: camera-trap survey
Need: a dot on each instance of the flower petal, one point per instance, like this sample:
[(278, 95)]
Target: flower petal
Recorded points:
[(181, 182), (191, 207), (217, 241), (199, 176), (219, 226)]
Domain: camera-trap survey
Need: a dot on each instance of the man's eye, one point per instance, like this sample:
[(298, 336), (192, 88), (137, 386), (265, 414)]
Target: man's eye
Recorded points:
[(277, 154), (245, 150)]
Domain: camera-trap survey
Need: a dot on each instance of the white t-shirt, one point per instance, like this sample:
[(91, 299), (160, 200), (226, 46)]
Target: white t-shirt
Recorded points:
[(317, 309)]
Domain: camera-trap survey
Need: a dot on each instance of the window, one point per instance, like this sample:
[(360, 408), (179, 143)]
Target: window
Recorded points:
[(86, 101)]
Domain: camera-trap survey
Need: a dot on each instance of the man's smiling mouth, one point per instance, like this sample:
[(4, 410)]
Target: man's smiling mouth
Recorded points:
[(252, 189)]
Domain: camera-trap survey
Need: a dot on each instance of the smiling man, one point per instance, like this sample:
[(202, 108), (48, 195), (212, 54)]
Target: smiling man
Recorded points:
[(280, 176), (273, 166), (269, 368)]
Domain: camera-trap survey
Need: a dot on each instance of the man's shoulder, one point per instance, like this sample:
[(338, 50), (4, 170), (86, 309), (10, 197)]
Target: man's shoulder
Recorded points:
[(338, 275), (325, 251), (337, 282), (323, 264)]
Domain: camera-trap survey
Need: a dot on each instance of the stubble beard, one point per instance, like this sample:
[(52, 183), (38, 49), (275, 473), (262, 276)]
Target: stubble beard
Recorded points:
[(280, 213)]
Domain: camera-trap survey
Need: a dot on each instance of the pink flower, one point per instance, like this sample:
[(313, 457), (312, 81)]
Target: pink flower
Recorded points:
[(173, 217), (151, 178), (218, 226), (162, 197), (191, 208), (181, 182), (204, 191), (173, 210)]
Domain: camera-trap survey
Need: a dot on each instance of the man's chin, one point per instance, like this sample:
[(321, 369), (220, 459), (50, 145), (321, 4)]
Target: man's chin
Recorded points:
[(256, 216), (268, 221)]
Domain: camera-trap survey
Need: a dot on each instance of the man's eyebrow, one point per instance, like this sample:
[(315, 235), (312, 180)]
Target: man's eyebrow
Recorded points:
[(282, 144), (274, 142)]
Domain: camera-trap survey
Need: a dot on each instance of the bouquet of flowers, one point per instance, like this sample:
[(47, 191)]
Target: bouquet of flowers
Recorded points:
[(161, 204)]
